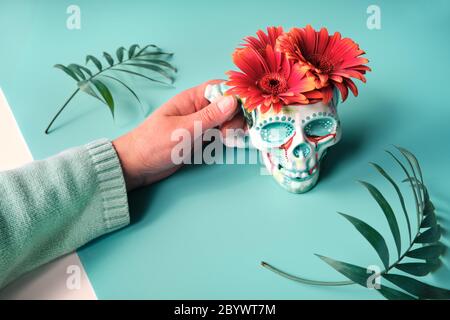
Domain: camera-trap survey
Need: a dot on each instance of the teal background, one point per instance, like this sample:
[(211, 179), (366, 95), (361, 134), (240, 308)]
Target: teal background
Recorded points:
[(203, 232)]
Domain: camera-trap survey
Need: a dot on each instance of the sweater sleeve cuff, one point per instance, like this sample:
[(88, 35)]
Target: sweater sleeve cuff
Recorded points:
[(111, 184)]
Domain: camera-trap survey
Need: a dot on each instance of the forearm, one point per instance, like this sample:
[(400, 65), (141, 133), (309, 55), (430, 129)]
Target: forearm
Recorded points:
[(52, 207)]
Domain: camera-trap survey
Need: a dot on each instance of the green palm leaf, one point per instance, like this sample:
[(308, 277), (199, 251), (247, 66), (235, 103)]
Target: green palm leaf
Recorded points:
[(413, 188), (132, 50), (399, 194), (429, 206), (143, 49), (429, 236), (429, 221), (414, 165), (106, 94), (108, 58), (417, 288), (77, 71), (82, 68), (428, 252), (67, 71), (85, 86), (413, 159), (388, 212), (119, 54), (393, 294), (373, 236), (419, 269), (155, 54), (97, 62)]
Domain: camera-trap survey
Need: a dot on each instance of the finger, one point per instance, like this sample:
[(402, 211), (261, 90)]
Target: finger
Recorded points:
[(198, 94), (237, 122), (188, 101), (214, 114), (233, 132)]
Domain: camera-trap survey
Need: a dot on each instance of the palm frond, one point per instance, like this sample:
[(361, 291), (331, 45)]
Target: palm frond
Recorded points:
[(399, 194), (375, 239), (133, 61), (424, 247), (388, 213)]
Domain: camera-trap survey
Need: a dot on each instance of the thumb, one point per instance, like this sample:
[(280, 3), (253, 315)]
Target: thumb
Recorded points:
[(214, 114)]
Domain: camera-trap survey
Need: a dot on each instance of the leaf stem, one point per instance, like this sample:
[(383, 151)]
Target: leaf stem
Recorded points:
[(47, 131), (303, 280), (61, 110)]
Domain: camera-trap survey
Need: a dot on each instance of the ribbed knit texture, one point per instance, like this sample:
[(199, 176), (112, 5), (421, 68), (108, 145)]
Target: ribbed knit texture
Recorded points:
[(52, 207)]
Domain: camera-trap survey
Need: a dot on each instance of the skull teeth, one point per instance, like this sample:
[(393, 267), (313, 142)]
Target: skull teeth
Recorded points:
[(295, 174)]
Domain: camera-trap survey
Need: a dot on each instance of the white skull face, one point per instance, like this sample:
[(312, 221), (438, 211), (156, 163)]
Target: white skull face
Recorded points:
[(294, 141)]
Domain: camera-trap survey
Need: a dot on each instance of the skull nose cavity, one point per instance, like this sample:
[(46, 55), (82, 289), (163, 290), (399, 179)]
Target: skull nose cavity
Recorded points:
[(302, 151)]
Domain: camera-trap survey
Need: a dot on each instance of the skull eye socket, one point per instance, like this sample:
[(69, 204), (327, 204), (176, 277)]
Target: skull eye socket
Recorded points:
[(320, 128), (276, 133)]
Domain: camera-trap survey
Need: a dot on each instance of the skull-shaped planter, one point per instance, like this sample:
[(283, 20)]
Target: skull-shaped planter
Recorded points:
[(293, 141)]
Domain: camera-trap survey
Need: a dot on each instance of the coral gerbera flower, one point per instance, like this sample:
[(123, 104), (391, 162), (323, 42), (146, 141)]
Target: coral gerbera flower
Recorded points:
[(268, 79), (331, 60), (264, 40)]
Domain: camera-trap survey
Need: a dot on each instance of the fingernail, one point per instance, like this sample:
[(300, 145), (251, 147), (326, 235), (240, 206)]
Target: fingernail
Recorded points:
[(225, 103)]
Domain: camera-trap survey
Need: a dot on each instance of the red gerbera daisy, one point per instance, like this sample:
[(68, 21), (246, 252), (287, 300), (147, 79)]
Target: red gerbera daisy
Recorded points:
[(268, 79), (331, 60), (264, 40)]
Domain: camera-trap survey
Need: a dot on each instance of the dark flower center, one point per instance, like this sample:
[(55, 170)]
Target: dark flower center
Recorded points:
[(273, 83), (321, 62)]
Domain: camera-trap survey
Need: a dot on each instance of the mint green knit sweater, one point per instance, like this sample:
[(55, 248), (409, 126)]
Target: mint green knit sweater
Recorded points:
[(51, 207)]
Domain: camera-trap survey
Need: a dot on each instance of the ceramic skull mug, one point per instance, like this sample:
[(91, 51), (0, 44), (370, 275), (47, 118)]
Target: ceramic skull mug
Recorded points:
[(293, 141), (289, 84)]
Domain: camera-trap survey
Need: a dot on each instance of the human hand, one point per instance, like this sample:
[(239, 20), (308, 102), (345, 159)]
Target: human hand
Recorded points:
[(145, 152)]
